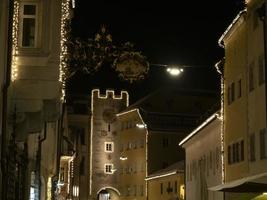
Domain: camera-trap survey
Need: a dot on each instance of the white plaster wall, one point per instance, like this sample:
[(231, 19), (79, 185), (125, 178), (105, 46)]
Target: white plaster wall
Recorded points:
[(204, 142)]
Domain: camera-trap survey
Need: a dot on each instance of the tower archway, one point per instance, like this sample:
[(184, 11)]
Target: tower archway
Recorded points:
[(108, 193)]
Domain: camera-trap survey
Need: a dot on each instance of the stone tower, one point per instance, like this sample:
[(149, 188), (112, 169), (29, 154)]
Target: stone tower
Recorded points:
[(104, 143)]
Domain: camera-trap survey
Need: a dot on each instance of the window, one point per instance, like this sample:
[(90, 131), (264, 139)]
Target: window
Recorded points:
[(141, 190), (210, 160), (261, 70), (242, 153), (236, 152), (165, 142), (263, 144), (109, 147), (252, 147), (161, 188), (232, 92), (28, 25), (239, 88), (229, 153), (229, 95), (175, 187), (108, 168), (251, 78)]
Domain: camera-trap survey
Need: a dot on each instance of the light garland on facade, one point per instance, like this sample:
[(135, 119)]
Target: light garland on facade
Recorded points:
[(205, 123), (140, 116), (100, 96), (65, 17), (15, 25), (161, 176), (222, 129)]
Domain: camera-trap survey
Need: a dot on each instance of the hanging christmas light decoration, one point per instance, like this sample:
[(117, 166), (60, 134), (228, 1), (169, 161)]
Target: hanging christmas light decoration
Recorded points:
[(89, 56), (15, 25), (64, 33)]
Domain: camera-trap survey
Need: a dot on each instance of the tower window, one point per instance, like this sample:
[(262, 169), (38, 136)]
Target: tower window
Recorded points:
[(108, 168), (109, 146)]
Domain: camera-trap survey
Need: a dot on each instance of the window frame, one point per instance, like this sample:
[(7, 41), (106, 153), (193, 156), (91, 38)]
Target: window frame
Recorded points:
[(105, 168), (107, 149), (21, 25)]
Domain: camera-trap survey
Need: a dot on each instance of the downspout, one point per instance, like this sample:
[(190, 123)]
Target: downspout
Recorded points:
[(40, 158), (262, 16), (10, 5)]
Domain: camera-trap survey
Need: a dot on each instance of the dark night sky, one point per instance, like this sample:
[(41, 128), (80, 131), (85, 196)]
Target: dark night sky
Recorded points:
[(167, 32)]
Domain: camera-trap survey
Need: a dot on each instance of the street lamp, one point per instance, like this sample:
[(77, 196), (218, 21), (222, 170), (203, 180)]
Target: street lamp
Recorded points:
[(173, 70)]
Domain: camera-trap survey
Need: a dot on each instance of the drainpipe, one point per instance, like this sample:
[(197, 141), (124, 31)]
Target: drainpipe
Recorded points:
[(10, 5), (262, 15), (39, 158)]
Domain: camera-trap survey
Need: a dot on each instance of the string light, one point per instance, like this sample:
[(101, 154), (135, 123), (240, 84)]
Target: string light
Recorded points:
[(15, 25), (65, 17), (237, 18), (222, 129)]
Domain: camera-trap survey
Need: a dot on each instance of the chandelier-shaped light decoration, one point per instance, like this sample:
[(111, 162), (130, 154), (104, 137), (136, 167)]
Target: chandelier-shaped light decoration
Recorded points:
[(89, 56)]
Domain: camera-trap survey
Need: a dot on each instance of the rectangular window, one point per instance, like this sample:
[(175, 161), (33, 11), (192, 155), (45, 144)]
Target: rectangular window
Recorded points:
[(251, 78), (261, 70), (210, 160), (229, 95), (263, 144), (232, 92), (108, 168), (165, 142), (109, 147), (252, 147), (161, 188), (175, 187), (239, 87), (141, 190), (237, 147), (29, 25), (229, 153), (242, 153)]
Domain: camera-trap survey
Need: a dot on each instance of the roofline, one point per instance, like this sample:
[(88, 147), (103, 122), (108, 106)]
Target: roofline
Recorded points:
[(163, 175), (229, 28), (200, 127), (126, 112)]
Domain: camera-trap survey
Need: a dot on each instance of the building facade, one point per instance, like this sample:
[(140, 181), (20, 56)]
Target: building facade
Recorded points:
[(167, 183), (203, 160), (33, 49), (149, 135), (244, 101)]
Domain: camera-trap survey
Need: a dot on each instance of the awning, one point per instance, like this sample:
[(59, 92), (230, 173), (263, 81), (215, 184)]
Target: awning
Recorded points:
[(251, 184)]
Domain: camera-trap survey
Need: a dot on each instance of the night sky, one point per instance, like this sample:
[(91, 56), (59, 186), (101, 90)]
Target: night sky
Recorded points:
[(166, 32)]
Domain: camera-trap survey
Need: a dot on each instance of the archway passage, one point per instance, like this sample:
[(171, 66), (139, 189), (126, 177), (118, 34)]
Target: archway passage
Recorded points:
[(108, 194)]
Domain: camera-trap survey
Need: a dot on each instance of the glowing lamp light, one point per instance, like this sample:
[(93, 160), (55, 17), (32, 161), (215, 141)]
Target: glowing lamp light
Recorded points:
[(141, 126), (123, 158), (174, 71), (265, 193)]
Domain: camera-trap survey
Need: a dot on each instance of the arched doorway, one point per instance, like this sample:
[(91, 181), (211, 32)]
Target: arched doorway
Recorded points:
[(108, 193)]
